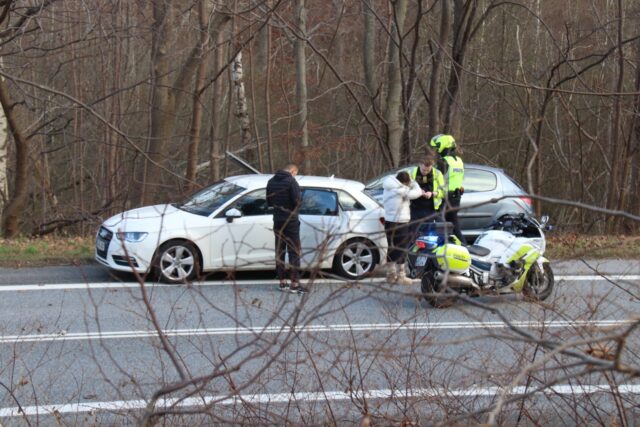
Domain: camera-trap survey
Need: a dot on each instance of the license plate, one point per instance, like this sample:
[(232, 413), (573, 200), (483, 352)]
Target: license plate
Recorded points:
[(101, 245), (421, 261)]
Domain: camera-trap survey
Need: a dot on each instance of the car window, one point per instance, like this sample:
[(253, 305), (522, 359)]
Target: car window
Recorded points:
[(319, 202), (348, 203), (476, 180), (517, 186), (207, 200), (254, 203)]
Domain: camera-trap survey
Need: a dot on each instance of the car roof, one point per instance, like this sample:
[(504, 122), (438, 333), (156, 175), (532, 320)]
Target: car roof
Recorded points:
[(411, 165), (483, 167), (466, 165), (255, 181)]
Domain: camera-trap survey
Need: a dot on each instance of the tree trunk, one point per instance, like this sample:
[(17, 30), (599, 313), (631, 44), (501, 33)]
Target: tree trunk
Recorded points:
[(394, 116), (463, 18), (4, 161), (241, 111), (112, 180), (196, 114), (267, 101), (301, 84), (408, 102), (167, 98), (614, 180), (634, 154), (369, 46), (434, 84), (15, 207), (4, 157), (215, 147)]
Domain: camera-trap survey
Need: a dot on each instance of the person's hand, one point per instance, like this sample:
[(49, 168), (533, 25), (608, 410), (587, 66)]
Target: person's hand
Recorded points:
[(427, 194)]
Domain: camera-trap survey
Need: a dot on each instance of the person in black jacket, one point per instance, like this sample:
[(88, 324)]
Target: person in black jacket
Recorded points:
[(283, 194)]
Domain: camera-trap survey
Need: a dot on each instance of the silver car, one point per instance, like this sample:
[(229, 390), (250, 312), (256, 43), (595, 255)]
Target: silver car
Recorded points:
[(481, 184)]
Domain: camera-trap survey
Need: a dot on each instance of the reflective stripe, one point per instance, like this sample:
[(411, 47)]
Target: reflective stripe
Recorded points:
[(455, 172), (438, 185), (439, 188), (414, 173)]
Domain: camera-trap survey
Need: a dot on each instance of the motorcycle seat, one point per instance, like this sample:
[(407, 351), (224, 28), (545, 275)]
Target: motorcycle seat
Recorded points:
[(478, 250)]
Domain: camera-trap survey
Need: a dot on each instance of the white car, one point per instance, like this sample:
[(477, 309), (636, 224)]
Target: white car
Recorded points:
[(228, 227)]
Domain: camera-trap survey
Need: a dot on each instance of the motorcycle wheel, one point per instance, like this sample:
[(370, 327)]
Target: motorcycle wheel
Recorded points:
[(430, 287), (539, 284)]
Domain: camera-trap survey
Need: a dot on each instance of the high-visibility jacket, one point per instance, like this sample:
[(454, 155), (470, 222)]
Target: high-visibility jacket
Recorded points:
[(455, 172), (439, 187)]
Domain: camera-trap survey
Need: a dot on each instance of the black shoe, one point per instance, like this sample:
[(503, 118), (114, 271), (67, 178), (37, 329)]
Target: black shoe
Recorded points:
[(284, 286), (298, 289)]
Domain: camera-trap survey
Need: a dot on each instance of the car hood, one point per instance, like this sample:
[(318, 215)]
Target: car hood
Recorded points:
[(148, 218)]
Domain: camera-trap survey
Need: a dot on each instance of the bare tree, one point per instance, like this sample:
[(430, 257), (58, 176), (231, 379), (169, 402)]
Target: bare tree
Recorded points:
[(196, 115), (369, 46), (241, 111), (635, 138), (169, 89), (438, 47), (394, 114), (301, 82), (4, 160), (13, 210)]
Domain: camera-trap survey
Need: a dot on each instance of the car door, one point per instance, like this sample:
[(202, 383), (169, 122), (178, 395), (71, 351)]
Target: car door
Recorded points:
[(320, 226), (480, 186), (246, 242)]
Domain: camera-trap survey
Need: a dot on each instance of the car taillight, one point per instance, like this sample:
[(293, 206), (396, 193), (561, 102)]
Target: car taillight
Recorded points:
[(382, 220), (527, 200)]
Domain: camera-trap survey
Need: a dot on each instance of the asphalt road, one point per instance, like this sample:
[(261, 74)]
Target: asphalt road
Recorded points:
[(81, 346)]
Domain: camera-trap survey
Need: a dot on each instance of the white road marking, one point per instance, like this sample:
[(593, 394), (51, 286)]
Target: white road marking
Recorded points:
[(225, 400), (283, 329), (125, 285), (579, 278)]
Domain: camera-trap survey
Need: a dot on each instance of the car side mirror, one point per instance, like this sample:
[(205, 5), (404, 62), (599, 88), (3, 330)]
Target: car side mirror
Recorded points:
[(232, 213)]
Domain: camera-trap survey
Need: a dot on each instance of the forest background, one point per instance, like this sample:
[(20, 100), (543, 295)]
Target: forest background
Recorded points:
[(114, 104)]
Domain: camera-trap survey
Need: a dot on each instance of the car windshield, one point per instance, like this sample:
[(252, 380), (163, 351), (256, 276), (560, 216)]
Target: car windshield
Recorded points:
[(207, 200)]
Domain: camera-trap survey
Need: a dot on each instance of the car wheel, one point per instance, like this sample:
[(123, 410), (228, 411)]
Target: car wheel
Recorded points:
[(431, 288), (539, 284), (177, 262), (355, 259)]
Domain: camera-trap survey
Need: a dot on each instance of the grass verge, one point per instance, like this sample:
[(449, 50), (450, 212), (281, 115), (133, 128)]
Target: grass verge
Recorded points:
[(46, 251), (573, 246)]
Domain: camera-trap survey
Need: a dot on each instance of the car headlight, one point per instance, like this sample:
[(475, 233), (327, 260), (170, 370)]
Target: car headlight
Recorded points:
[(131, 236)]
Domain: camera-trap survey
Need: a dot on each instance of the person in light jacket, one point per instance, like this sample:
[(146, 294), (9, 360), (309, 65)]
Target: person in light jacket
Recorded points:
[(398, 191)]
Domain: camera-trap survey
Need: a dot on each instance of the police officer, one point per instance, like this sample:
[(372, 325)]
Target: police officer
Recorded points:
[(431, 181), (452, 167)]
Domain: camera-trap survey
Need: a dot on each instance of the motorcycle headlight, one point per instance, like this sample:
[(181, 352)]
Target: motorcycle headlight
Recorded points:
[(131, 236)]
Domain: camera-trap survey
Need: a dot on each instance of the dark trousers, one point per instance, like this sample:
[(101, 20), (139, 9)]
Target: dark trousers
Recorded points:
[(420, 217), (451, 215), (287, 240), (398, 238)]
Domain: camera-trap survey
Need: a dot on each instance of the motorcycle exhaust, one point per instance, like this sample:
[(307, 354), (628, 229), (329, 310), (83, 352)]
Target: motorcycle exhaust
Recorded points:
[(455, 280)]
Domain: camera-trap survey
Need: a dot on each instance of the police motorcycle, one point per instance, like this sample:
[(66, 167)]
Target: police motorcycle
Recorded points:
[(507, 258)]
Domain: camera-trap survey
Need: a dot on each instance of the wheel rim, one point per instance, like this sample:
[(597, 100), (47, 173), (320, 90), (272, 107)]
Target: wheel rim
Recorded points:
[(357, 259), (539, 281), (177, 263)]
